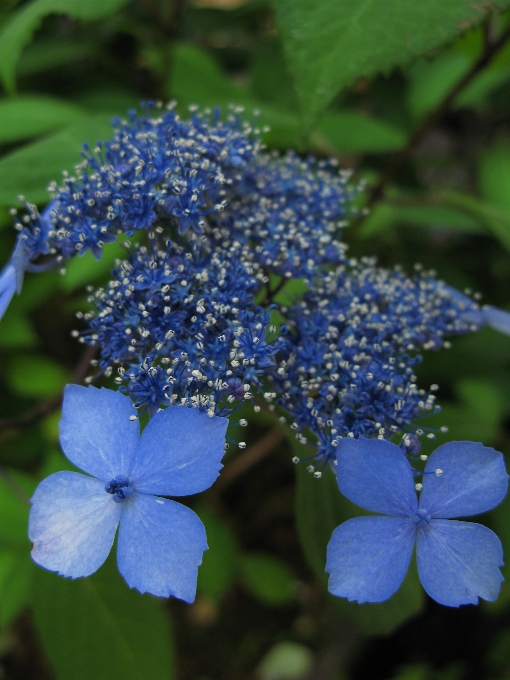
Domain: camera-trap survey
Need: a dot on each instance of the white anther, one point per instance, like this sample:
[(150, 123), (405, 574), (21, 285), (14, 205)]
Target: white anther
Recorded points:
[(418, 486), (439, 472)]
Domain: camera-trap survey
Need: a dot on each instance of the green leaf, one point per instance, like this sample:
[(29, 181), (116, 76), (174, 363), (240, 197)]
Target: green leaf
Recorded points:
[(16, 575), (17, 32), (36, 376), (494, 219), (86, 269), (15, 491), (444, 218), (320, 508), (271, 81), (431, 81), (29, 116), (268, 578), (45, 55), (29, 170), (494, 176), (476, 415), (91, 627), (219, 562), (351, 132), (16, 331), (333, 43)]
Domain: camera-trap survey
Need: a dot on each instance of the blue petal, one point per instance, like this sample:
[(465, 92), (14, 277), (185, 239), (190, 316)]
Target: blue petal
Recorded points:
[(7, 286), (368, 557), (458, 562), (160, 547), (179, 452), (96, 433), (72, 524), (375, 474), (19, 260), (472, 480), (497, 319)]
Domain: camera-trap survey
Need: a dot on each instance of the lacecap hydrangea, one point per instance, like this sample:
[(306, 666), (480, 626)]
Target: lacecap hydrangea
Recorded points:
[(214, 228)]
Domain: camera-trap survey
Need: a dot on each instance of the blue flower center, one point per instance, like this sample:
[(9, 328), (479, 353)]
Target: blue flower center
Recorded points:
[(119, 488), (421, 518)]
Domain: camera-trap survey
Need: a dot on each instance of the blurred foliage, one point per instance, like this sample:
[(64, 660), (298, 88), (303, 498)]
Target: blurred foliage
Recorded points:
[(414, 99)]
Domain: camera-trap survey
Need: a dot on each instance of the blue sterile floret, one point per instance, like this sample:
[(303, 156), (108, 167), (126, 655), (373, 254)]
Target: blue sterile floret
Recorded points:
[(74, 517), (458, 562)]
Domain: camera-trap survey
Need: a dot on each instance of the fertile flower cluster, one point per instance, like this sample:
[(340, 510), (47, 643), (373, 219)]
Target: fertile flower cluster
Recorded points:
[(352, 347), (182, 326), (190, 319)]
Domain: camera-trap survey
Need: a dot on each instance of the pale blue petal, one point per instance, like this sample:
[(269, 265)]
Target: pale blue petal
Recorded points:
[(458, 562), (7, 286), (160, 547), (179, 452), (19, 260), (497, 319), (375, 474), (368, 557), (96, 433), (72, 524), (472, 479)]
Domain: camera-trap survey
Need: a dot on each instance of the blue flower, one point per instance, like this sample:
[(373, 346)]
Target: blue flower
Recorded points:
[(74, 517), (11, 276), (458, 562)]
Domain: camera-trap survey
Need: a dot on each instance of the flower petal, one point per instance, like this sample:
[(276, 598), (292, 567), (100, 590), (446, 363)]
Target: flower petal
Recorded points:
[(375, 474), (72, 524), (7, 286), (179, 452), (458, 562), (160, 546), (96, 433), (472, 480), (368, 557), (497, 319)]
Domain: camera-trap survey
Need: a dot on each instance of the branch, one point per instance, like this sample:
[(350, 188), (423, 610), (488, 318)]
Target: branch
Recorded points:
[(492, 47), (45, 408), (249, 458)]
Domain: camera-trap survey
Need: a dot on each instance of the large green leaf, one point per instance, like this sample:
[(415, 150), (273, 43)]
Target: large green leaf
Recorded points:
[(29, 116), (320, 508), (18, 31), (29, 170), (97, 626), (333, 43)]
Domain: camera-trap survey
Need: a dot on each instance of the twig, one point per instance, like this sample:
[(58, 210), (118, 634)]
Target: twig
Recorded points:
[(492, 47), (249, 458), (47, 407)]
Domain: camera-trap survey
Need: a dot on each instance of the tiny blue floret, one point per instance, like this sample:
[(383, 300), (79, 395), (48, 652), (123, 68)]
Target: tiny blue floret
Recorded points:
[(74, 517), (458, 562)]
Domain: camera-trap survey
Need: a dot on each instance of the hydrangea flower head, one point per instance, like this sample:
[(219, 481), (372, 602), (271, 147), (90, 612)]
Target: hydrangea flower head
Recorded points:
[(458, 562), (74, 517)]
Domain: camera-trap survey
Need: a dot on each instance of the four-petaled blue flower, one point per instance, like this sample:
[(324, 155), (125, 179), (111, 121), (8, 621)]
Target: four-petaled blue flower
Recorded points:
[(74, 517), (458, 562)]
